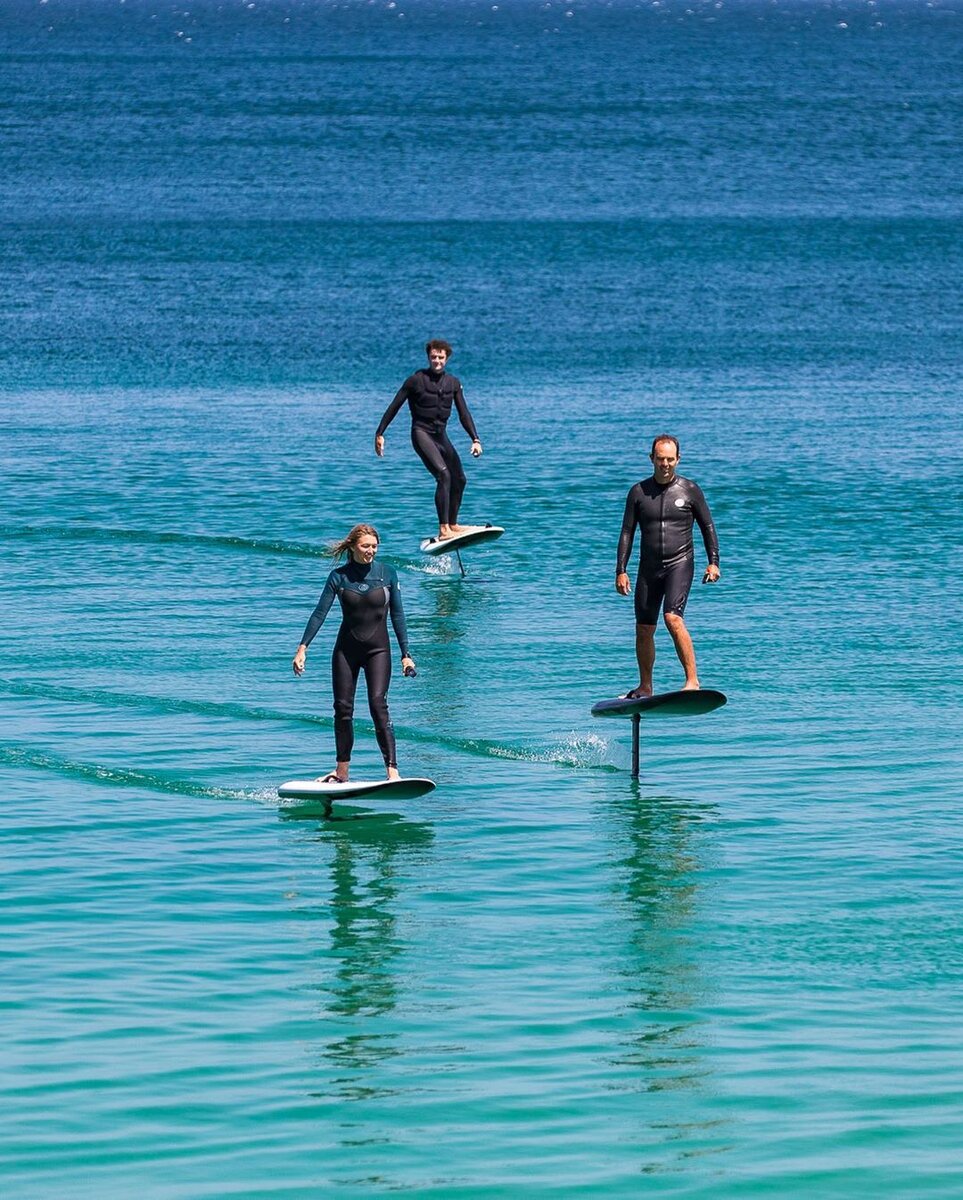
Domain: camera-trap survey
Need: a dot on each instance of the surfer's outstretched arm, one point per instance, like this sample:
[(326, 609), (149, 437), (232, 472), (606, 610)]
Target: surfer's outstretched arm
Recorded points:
[(315, 621), (396, 611), (630, 519), (700, 510), (467, 423), (389, 415)]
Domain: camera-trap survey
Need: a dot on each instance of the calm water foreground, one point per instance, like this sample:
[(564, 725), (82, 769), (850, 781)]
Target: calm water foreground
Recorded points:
[(740, 976)]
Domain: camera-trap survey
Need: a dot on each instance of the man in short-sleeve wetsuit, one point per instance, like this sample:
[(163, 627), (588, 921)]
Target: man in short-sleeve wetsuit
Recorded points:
[(368, 592), (431, 393), (664, 508)]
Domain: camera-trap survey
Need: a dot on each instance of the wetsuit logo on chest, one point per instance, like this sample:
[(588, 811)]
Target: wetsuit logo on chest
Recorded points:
[(680, 502)]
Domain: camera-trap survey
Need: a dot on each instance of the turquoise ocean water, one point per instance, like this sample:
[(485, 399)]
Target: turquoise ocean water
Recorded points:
[(227, 230)]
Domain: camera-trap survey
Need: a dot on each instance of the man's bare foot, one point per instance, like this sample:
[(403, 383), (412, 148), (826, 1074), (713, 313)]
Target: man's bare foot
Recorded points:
[(332, 777), (393, 773), (450, 531), (638, 693), (692, 686)]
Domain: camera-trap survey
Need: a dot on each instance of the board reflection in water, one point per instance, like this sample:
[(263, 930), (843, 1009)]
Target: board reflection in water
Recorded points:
[(360, 949)]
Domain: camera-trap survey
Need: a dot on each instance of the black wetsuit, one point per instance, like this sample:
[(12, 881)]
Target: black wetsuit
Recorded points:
[(665, 513), (430, 396), (368, 592)]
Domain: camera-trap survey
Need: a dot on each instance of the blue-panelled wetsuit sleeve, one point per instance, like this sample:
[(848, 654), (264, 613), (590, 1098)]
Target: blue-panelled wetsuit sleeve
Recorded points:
[(316, 620), (396, 610)]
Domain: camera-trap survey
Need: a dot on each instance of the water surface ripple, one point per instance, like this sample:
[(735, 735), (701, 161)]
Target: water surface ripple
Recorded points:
[(226, 235)]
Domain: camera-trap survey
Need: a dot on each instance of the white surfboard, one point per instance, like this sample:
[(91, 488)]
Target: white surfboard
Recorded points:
[(474, 537), (314, 789)]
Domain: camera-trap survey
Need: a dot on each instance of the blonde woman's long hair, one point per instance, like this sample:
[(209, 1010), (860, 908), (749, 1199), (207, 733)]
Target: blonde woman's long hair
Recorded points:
[(339, 549)]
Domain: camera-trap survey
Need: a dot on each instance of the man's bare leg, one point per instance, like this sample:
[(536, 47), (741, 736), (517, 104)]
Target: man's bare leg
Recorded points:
[(684, 649), (645, 653), (454, 526)]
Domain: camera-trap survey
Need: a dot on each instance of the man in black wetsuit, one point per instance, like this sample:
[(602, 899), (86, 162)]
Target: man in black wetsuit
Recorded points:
[(664, 507), (430, 394)]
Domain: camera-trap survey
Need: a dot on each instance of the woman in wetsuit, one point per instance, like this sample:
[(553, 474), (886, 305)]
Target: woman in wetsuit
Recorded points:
[(430, 394), (368, 592)]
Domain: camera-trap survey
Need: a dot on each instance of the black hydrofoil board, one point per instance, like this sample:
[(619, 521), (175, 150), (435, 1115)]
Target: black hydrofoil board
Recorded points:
[(663, 704)]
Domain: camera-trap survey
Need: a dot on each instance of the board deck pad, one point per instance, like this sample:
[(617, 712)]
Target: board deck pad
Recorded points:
[(663, 704), (475, 537), (394, 789)]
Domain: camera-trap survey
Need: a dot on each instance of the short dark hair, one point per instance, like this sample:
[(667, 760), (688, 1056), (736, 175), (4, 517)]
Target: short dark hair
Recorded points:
[(664, 437), (438, 344)]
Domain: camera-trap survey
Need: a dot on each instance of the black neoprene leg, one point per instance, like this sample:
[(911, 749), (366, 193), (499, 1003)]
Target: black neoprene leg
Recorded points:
[(344, 677), (432, 455), (678, 581), (377, 677), (458, 478), (649, 591)]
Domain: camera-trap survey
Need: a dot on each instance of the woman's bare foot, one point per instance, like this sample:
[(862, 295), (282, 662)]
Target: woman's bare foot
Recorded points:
[(336, 776), (393, 773)]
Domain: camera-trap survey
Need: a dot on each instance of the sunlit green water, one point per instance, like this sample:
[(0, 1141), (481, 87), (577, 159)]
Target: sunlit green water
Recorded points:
[(740, 976)]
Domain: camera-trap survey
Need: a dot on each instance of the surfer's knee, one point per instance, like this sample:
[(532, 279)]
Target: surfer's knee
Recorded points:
[(674, 623), (343, 710)]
